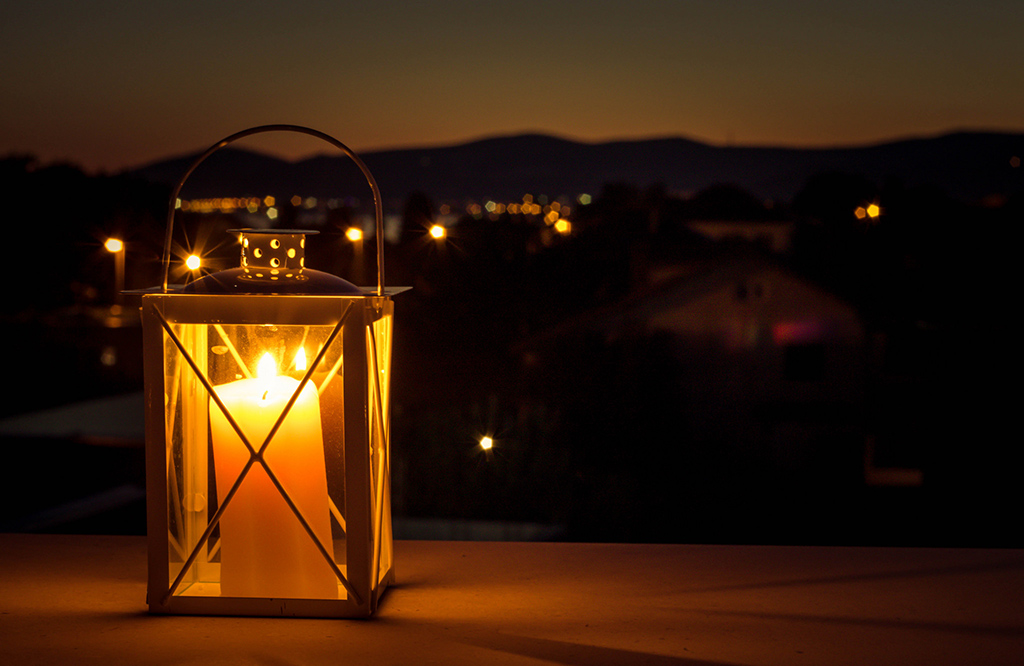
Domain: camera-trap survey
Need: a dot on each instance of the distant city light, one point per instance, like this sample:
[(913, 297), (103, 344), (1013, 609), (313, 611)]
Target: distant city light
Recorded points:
[(874, 211), (272, 213), (552, 211), (219, 204), (486, 443), (193, 262), (584, 199), (563, 226), (114, 245), (296, 201), (108, 356), (354, 234), (437, 231)]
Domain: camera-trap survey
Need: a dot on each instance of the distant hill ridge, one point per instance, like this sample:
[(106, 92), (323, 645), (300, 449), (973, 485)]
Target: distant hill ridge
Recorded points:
[(968, 166)]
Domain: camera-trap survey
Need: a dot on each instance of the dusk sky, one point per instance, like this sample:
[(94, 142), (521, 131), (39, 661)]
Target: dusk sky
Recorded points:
[(109, 84)]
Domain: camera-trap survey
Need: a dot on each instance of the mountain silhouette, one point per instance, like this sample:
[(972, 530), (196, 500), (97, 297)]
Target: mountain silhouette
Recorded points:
[(969, 166)]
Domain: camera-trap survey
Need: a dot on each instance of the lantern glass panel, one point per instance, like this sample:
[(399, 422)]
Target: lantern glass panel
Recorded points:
[(379, 339), (257, 530)]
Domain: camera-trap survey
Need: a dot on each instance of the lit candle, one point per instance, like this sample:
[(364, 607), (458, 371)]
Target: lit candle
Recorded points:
[(265, 552)]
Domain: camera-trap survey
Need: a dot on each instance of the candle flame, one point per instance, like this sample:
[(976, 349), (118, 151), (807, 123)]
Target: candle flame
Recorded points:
[(267, 367), (300, 360)]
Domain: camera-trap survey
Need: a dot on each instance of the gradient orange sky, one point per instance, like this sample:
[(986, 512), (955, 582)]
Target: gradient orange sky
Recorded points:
[(110, 84)]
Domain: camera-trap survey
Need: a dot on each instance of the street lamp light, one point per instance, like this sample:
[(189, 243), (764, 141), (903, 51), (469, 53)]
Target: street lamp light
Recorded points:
[(355, 236), (116, 247)]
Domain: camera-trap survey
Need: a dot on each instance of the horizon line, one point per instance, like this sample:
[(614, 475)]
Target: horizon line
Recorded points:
[(923, 136)]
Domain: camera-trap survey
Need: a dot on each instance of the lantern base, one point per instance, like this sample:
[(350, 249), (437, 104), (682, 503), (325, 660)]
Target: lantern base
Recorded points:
[(250, 607), (205, 599)]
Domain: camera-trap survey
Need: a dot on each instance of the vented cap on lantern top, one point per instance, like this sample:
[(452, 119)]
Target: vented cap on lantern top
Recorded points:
[(273, 262)]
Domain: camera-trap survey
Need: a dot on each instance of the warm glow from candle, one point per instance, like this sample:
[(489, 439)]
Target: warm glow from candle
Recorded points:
[(300, 360), (266, 368)]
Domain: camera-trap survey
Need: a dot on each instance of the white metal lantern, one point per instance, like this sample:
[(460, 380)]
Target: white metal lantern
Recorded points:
[(267, 449)]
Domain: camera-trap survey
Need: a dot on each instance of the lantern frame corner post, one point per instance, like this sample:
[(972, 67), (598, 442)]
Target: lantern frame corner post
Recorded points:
[(370, 547), (156, 458), (379, 341)]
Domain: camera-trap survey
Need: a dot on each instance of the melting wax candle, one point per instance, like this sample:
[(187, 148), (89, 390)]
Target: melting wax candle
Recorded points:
[(265, 551)]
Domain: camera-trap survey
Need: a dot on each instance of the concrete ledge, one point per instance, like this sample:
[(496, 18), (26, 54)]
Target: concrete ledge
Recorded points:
[(81, 600)]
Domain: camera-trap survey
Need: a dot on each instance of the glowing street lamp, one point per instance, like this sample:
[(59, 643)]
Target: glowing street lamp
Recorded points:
[(355, 236), (193, 262), (116, 247), (438, 232), (267, 431)]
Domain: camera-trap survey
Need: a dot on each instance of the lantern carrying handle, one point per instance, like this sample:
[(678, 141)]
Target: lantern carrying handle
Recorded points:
[(378, 207)]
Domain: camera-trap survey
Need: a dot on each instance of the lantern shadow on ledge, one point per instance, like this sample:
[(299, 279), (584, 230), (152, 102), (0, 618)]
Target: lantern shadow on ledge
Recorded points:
[(267, 431)]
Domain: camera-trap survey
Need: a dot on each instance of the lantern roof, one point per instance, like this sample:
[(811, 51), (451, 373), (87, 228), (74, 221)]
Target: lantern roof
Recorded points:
[(273, 262)]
